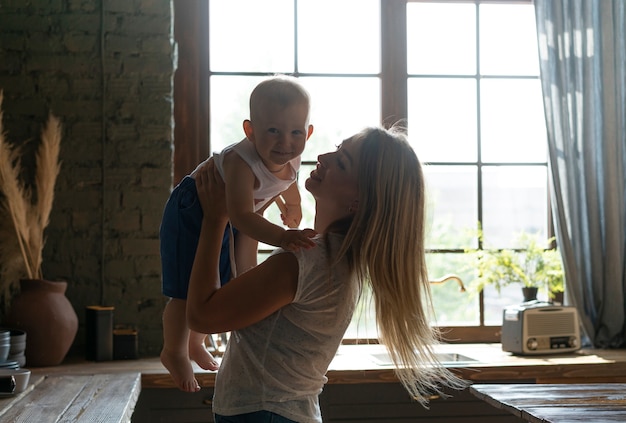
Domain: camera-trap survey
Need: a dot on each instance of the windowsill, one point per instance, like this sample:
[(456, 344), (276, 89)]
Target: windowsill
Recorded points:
[(351, 366)]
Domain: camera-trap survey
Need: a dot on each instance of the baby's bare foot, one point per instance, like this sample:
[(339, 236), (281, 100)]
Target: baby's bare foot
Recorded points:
[(181, 371), (204, 359)]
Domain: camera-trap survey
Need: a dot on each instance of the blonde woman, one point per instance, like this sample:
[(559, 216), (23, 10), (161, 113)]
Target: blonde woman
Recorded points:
[(289, 314)]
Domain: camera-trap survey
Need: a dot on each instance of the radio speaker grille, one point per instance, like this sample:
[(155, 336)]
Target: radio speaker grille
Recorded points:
[(543, 324)]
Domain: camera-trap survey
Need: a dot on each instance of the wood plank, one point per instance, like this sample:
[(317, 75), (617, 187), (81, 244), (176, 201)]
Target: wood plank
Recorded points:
[(558, 403), (575, 415), (78, 398), (50, 398), (105, 398)]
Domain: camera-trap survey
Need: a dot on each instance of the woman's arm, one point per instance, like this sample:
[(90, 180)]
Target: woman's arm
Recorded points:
[(245, 300)]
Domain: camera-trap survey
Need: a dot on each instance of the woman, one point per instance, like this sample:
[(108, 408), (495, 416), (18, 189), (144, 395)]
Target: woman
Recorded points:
[(288, 315)]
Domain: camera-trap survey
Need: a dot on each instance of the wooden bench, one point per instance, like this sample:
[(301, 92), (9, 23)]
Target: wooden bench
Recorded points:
[(76, 398)]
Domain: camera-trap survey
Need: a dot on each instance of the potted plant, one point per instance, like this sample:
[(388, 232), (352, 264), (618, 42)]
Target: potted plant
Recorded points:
[(40, 308), (531, 266)]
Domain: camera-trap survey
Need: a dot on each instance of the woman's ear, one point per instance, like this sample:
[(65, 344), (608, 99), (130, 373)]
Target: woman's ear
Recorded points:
[(310, 131), (248, 130)]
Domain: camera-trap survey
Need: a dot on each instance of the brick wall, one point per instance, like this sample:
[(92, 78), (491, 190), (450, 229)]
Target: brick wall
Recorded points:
[(106, 71)]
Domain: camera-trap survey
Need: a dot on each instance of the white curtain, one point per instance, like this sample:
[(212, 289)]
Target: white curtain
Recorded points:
[(582, 49)]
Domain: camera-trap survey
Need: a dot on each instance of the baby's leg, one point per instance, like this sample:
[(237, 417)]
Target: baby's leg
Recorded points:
[(175, 353), (199, 353)]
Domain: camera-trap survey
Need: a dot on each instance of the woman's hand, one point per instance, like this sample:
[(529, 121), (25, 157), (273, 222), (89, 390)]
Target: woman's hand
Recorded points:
[(211, 191)]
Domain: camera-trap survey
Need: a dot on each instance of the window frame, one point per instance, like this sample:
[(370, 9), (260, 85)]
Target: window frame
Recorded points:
[(192, 103)]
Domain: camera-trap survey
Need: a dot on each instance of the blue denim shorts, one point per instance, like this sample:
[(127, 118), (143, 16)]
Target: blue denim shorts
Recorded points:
[(256, 417), (179, 234)]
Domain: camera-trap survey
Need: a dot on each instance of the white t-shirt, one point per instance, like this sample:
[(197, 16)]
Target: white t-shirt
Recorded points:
[(279, 364)]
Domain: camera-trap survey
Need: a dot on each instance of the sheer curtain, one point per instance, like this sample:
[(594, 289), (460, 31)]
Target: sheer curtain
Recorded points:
[(583, 58)]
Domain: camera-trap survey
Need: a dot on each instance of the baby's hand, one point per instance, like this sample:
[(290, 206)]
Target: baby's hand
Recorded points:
[(295, 239), (291, 215)]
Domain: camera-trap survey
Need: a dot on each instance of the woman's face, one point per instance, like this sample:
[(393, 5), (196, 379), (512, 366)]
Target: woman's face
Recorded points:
[(336, 176)]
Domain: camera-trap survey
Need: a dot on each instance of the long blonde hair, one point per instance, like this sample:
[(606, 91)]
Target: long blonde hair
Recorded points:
[(385, 244)]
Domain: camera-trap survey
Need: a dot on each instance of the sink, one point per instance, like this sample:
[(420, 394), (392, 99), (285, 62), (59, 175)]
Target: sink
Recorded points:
[(445, 358)]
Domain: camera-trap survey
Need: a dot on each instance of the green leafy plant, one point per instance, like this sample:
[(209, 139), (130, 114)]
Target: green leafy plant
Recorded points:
[(531, 265)]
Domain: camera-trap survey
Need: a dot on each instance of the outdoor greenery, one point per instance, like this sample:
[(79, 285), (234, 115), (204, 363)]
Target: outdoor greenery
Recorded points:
[(530, 265)]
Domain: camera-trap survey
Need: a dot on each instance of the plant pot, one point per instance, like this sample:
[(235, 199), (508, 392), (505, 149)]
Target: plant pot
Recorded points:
[(42, 310), (557, 298), (529, 293)]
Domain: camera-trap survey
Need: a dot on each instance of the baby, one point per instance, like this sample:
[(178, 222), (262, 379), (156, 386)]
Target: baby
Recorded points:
[(260, 168)]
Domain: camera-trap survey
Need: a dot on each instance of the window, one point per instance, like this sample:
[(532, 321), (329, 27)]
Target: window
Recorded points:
[(463, 75)]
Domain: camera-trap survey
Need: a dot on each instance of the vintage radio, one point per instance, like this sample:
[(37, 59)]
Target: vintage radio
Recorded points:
[(540, 328)]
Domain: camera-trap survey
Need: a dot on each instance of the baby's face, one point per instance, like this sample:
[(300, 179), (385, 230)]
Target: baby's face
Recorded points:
[(280, 133)]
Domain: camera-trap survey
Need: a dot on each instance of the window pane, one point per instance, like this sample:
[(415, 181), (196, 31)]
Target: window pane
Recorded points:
[(441, 39), (335, 114), (515, 199), (338, 36), (442, 118), (241, 38), (229, 107), (496, 302), (508, 40), (330, 97), (513, 125), (452, 307), (451, 193)]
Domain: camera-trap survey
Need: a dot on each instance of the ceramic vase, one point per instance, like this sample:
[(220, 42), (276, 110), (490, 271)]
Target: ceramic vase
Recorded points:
[(42, 310)]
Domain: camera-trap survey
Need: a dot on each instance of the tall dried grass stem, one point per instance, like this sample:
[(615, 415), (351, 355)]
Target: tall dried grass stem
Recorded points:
[(29, 211), (13, 200)]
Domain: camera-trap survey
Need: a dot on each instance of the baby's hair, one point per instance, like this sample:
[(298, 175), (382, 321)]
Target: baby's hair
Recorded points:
[(282, 90)]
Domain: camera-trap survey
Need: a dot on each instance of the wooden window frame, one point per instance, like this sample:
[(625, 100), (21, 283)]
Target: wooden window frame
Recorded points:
[(192, 101)]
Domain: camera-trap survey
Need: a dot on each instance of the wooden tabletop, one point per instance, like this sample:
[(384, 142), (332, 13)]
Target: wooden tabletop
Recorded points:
[(558, 403), (106, 398)]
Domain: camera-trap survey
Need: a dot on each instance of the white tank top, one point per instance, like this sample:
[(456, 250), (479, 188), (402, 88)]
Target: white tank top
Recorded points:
[(269, 185)]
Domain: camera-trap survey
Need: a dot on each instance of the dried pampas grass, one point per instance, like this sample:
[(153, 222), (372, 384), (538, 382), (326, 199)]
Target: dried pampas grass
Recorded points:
[(25, 212)]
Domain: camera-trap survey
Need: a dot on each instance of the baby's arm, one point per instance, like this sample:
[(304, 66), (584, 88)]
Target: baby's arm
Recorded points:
[(291, 212), (240, 182)]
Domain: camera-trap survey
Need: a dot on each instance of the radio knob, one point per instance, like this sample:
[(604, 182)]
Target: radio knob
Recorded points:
[(572, 342), (532, 344)]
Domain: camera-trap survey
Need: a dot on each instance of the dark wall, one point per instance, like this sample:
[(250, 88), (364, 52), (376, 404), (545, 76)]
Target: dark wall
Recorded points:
[(105, 68)]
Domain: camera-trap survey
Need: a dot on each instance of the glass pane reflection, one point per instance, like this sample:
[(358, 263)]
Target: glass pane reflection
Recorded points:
[(515, 199), (229, 107), (508, 40), (451, 193), (452, 307), (441, 39), (513, 125), (336, 113), (241, 39), (339, 36), (443, 118)]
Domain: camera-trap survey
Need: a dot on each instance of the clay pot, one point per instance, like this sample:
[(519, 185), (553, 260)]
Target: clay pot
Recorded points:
[(43, 311)]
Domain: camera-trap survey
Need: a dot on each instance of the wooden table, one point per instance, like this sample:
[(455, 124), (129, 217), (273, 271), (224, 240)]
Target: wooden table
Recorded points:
[(558, 403), (84, 398)]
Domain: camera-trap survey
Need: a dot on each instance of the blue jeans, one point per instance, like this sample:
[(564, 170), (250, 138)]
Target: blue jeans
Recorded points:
[(256, 417)]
